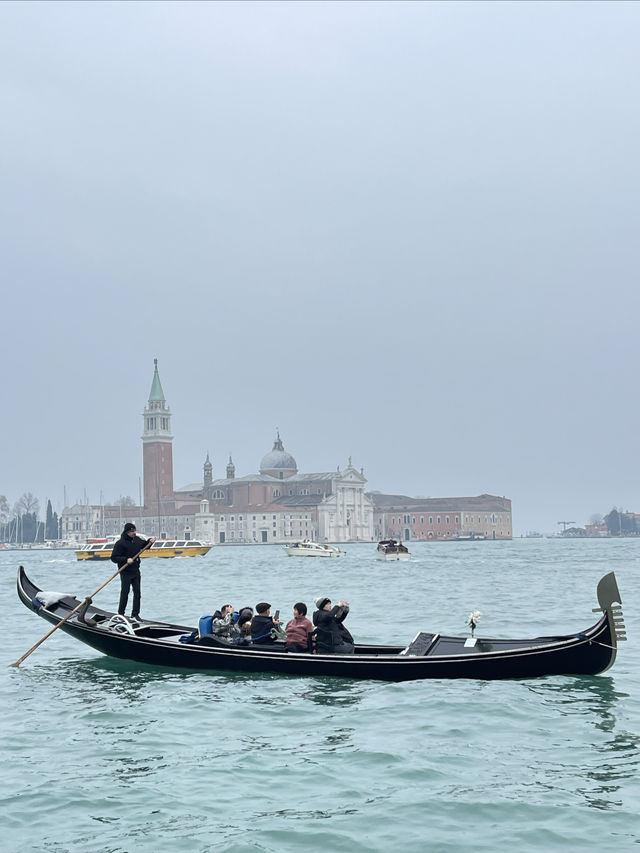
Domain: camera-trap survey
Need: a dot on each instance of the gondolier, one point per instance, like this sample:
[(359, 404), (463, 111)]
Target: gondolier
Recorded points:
[(125, 553)]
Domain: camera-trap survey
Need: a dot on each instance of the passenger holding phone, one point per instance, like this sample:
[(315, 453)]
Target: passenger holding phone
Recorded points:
[(262, 624)]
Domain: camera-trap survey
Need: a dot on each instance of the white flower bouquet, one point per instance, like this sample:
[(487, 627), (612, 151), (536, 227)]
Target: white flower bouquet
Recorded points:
[(474, 618)]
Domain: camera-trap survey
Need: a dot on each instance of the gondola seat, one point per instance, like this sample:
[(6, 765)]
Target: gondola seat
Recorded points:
[(420, 645), (212, 640)]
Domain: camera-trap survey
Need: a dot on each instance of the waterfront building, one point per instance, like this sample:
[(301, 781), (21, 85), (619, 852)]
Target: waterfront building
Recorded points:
[(481, 517), (276, 505), (86, 521)]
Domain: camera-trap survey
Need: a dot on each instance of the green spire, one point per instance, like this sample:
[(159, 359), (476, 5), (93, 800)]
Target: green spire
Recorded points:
[(156, 395)]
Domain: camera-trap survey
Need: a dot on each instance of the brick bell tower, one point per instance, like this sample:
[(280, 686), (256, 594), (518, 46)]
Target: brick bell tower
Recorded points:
[(157, 451)]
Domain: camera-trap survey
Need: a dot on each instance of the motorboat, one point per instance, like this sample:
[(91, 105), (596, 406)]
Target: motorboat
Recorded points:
[(392, 549), (101, 550), (427, 655), (469, 537), (307, 548)]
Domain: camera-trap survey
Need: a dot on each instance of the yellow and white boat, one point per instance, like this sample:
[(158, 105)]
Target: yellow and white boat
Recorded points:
[(160, 548)]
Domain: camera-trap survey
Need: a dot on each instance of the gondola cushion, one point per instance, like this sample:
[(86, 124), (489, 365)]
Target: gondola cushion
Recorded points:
[(205, 625), (189, 638), (51, 598)]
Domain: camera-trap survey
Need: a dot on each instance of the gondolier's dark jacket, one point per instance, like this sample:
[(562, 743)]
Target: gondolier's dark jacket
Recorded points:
[(330, 632), (126, 547)]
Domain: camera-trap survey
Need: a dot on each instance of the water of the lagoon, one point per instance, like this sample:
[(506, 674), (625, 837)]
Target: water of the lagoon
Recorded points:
[(110, 757)]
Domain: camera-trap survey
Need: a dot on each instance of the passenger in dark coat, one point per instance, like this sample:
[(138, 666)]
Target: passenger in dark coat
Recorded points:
[(125, 553), (332, 637), (262, 623)]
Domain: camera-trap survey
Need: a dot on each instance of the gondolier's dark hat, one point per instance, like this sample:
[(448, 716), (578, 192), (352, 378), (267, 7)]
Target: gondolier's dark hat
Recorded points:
[(129, 527), (262, 607)]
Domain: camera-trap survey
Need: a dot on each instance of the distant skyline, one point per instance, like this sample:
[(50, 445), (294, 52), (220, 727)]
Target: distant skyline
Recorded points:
[(219, 472), (402, 232)]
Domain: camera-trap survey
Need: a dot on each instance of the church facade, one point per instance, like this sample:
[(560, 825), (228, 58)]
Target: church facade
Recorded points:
[(280, 503)]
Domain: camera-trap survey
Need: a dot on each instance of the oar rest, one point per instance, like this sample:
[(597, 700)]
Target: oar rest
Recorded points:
[(421, 644)]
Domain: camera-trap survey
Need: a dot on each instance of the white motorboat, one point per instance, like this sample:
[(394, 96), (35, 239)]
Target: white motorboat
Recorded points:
[(306, 548), (392, 549)]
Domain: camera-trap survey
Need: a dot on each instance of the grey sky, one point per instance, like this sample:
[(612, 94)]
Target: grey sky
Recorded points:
[(405, 232)]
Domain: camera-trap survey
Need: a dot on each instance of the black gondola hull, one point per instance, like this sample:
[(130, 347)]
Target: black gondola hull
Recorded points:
[(587, 653)]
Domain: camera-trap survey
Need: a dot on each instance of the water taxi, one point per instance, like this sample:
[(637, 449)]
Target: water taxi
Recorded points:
[(160, 548), (306, 548), (392, 549)]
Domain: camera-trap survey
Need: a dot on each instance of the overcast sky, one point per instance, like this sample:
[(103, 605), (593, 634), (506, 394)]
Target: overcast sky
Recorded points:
[(401, 232)]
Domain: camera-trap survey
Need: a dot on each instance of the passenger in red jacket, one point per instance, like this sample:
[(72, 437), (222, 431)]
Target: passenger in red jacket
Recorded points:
[(298, 630)]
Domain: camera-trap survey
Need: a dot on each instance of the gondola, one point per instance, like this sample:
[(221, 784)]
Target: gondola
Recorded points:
[(428, 655)]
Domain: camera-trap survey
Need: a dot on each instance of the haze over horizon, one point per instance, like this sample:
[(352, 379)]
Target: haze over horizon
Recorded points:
[(402, 232)]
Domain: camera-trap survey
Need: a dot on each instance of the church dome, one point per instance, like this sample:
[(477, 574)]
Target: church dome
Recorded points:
[(278, 461)]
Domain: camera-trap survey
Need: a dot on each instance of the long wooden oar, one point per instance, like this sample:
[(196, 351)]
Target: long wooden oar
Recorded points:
[(75, 609)]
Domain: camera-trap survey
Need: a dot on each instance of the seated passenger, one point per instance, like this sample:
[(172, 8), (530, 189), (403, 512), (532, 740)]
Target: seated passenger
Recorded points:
[(262, 624), (331, 635), (298, 630), (241, 629), (222, 623), (245, 615)]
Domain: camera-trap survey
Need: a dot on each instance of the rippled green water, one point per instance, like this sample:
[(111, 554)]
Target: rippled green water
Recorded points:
[(109, 757)]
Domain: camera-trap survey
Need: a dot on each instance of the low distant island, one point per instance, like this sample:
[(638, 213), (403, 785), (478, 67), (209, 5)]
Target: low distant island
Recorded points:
[(618, 523)]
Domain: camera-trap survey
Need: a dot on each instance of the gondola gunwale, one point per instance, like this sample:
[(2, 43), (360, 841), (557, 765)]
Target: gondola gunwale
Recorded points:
[(386, 664)]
